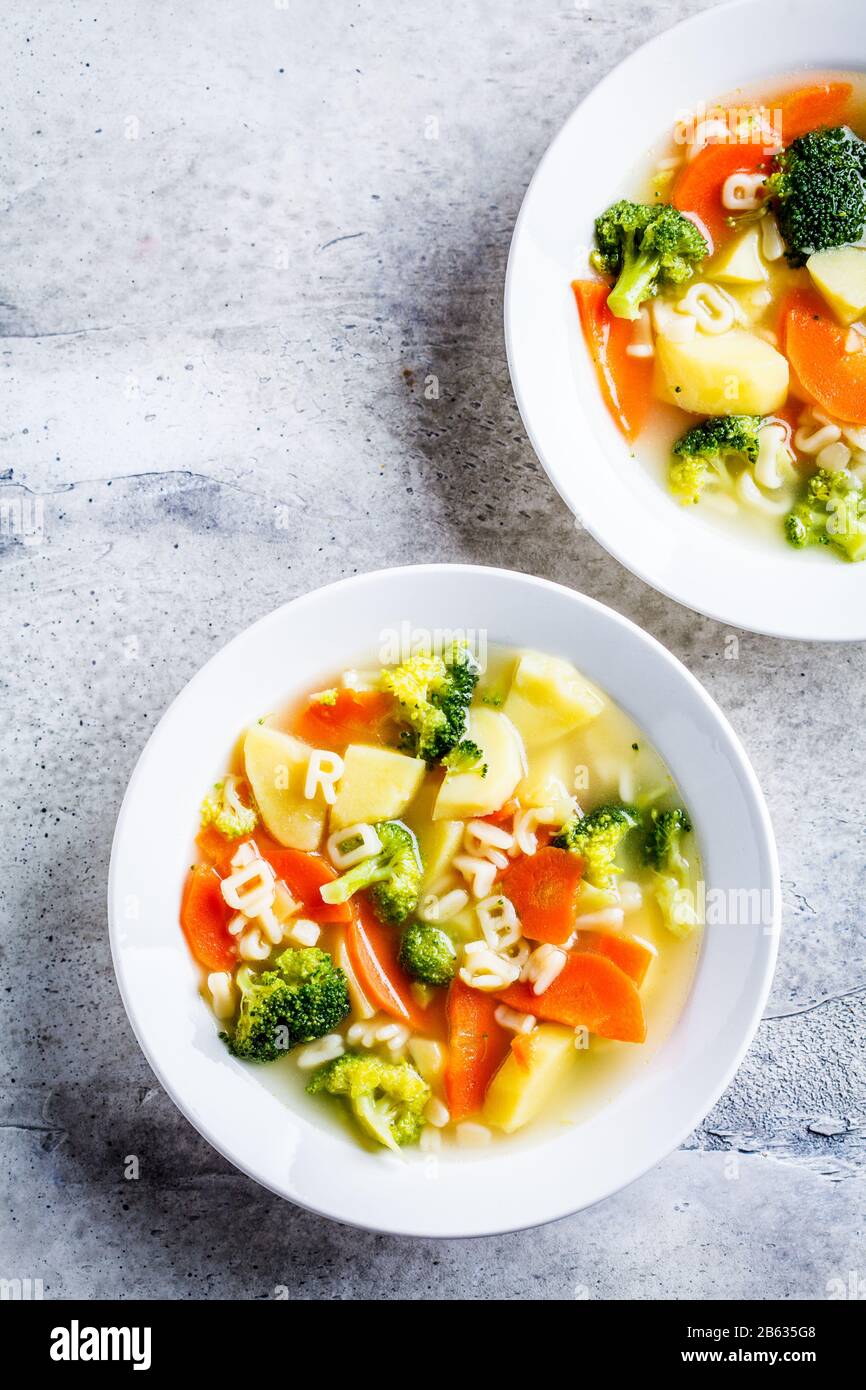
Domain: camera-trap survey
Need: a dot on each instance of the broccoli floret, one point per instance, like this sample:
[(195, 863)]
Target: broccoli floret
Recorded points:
[(819, 192), (321, 996), (303, 998), (597, 839), (832, 512), (393, 875), (465, 756), (687, 477), (428, 954), (260, 1032), (647, 247), (663, 844), (434, 694), (223, 808), (698, 457), (663, 856), (387, 1098)]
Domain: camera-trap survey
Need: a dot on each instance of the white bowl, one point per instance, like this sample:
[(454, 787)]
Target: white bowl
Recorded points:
[(288, 1148), (744, 581)]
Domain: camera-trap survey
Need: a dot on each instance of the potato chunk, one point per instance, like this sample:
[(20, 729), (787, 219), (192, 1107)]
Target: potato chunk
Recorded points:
[(377, 784), (276, 769), (541, 788), (538, 1062), (741, 262), (468, 793), (549, 698), (840, 276), (438, 842), (733, 373)]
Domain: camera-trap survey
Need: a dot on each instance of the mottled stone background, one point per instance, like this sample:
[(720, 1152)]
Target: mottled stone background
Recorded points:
[(229, 257)]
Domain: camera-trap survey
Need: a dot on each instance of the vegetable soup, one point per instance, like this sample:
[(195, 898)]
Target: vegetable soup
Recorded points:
[(726, 315), (447, 902)]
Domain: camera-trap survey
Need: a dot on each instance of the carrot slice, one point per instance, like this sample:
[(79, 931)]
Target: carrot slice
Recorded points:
[(522, 1047), (631, 955), (544, 888), (698, 187), (356, 716), (303, 872), (591, 992), (372, 950), (477, 1045), (506, 811), (216, 849), (807, 108), (204, 918), (815, 344), (625, 381)]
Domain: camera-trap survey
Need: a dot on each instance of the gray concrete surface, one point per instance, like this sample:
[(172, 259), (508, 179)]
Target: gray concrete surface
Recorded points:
[(230, 256)]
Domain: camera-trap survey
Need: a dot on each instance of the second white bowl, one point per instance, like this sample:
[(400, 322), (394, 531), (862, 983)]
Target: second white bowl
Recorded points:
[(739, 580)]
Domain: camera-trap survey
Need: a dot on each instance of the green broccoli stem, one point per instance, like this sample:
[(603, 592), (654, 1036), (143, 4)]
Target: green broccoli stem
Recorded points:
[(341, 889), (635, 284)]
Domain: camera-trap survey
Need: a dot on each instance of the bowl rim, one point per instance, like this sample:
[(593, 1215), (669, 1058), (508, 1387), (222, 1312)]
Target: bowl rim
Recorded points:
[(566, 487), (736, 755)]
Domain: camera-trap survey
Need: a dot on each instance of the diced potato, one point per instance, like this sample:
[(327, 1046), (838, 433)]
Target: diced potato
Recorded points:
[(276, 769), (438, 842), (555, 762), (429, 1058), (733, 373), (422, 994), (591, 899), (840, 276), (548, 698), (377, 784), (741, 263), (469, 794), (529, 1077), (463, 927), (546, 789)]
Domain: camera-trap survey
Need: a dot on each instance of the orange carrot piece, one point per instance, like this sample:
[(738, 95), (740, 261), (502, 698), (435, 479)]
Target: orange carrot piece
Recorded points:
[(204, 918), (477, 1045), (631, 955), (807, 108), (356, 716), (544, 888), (590, 992), (625, 381), (303, 873), (216, 849), (814, 344), (505, 812), (373, 950), (522, 1047), (698, 186)]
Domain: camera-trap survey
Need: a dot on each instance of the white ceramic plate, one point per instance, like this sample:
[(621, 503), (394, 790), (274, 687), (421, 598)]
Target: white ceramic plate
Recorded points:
[(287, 1148), (744, 581)]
